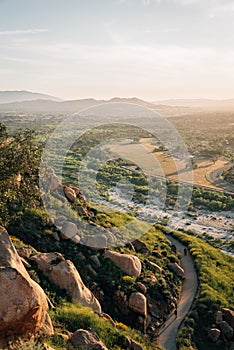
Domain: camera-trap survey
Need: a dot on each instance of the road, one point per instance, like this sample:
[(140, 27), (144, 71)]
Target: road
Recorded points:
[(215, 178)]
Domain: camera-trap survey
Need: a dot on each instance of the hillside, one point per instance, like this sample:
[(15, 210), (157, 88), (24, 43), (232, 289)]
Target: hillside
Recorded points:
[(211, 104), (84, 280), (73, 106), (20, 96)]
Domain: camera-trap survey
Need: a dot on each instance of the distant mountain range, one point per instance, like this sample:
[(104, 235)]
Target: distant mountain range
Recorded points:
[(20, 96), (198, 103), (31, 102), (68, 107)]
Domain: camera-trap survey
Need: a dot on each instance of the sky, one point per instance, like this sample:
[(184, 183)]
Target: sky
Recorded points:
[(151, 49)]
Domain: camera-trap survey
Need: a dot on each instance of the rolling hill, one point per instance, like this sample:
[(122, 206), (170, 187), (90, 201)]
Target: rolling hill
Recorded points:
[(20, 96)]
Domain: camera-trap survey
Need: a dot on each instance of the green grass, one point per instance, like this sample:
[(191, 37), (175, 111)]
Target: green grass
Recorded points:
[(31, 344), (216, 286), (74, 316)]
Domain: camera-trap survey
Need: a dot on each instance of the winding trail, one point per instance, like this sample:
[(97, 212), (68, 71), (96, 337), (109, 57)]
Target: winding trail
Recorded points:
[(215, 177), (168, 333)]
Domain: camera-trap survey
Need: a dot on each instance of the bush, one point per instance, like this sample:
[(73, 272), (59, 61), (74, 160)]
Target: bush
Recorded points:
[(31, 344), (74, 316)]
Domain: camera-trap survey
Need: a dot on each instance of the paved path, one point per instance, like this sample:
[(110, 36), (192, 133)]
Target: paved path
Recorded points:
[(168, 333)]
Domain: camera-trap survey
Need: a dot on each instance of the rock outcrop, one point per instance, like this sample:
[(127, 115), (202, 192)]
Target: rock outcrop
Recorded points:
[(70, 194), (138, 303), (86, 340), (139, 246), (69, 230), (96, 242), (229, 316), (154, 267), (214, 334), (23, 306), (177, 269), (126, 262), (64, 274)]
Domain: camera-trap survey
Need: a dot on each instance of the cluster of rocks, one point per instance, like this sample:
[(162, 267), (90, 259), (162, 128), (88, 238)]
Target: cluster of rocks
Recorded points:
[(222, 331), (89, 340), (80, 230), (23, 311), (24, 306), (64, 274)]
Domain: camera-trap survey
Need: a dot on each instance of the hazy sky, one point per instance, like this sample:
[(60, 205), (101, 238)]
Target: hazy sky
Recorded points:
[(151, 49)]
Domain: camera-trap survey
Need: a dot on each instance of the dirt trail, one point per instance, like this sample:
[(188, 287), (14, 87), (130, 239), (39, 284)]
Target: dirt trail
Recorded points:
[(168, 333)]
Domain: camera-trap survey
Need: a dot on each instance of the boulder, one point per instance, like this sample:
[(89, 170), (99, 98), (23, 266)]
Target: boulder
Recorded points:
[(126, 262), (26, 252), (52, 181), (226, 329), (154, 267), (229, 316), (76, 239), (96, 242), (86, 340), (109, 319), (177, 269), (64, 337), (23, 306), (141, 288), (82, 211), (69, 230), (150, 279), (70, 194), (140, 247), (135, 345), (138, 303), (64, 274), (214, 334)]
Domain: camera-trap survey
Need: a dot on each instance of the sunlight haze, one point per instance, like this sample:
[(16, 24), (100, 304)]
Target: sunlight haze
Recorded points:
[(151, 49)]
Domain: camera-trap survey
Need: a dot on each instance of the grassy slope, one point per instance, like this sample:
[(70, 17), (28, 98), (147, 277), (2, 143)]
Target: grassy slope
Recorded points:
[(216, 279)]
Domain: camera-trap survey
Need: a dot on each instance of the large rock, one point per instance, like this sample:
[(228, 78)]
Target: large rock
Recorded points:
[(214, 334), (140, 246), (226, 330), (86, 340), (52, 180), (23, 304), (69, 230), (177, 269), (64, 274), (70, 194), (96, 242), (126, 262), (154, 267), (138, 303), (229, 316)]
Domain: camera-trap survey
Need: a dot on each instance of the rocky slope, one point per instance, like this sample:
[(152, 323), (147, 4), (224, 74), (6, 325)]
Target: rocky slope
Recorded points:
[(136, 284)]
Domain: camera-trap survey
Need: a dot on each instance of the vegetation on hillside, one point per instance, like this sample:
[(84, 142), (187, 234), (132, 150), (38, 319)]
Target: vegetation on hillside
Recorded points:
[(228, 175), (23, 215), (216, 290)]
